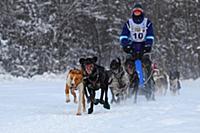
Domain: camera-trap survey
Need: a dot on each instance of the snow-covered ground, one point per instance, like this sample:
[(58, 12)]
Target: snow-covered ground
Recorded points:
[(38, 105)]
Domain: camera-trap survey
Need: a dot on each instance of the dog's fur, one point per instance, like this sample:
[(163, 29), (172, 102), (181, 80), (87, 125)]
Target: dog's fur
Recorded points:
[(133, 79), (120, 81), (174, 82), (161, 83), (95, 78), (75, 82)]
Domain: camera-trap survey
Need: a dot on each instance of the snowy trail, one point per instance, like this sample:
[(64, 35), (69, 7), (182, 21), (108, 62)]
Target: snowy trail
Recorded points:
[(38, 106)]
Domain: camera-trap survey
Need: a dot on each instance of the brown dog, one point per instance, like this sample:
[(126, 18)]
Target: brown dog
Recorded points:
[(75, 82)]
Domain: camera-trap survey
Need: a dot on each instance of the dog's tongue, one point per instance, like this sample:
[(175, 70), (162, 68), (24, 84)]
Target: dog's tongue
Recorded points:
[(88, 67)]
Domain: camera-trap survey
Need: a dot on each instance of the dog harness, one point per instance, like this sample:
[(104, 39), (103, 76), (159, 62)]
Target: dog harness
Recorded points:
[(138, 31), (94, 80), (119, 76)]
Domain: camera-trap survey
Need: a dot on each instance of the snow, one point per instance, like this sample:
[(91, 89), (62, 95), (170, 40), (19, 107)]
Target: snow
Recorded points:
[(37, 105)]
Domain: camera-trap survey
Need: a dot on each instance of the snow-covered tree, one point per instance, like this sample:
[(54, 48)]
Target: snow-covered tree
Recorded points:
[(38, 36)]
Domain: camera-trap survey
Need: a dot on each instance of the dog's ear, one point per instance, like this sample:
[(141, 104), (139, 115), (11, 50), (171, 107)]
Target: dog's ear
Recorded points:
[(94, 59), (81, 60), (70, 71), (119, 60)]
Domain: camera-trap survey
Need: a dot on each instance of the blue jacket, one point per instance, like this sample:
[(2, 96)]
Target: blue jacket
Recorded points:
[(125, 35)]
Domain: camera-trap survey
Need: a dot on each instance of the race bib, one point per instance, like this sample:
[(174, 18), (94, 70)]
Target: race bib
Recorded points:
[(138, 31)]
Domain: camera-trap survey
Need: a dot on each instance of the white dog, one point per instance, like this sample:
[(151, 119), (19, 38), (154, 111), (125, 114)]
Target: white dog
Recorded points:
[(161, 82), (120, 81)]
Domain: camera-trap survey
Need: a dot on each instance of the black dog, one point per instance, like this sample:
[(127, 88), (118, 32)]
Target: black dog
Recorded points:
[(95, 78), (133, 78)]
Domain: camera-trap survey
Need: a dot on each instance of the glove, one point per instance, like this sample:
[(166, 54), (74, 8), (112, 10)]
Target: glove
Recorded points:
[(147, 48)]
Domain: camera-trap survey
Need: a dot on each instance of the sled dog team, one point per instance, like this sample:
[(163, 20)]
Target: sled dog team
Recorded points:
[(92, 77)]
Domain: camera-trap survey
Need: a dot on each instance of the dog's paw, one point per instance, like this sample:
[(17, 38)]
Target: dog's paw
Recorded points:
[(78, 113), (106, 105), (90, 110), (68, 100), (96, 101)]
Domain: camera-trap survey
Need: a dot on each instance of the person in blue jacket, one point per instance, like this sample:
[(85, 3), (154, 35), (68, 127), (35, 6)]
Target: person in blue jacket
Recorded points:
[(138, 30)]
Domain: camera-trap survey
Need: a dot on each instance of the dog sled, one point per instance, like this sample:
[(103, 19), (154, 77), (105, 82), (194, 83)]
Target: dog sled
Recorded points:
[(141, 80)]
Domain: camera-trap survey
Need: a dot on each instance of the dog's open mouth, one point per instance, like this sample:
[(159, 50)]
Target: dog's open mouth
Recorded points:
[(89, 68), (73, 86)]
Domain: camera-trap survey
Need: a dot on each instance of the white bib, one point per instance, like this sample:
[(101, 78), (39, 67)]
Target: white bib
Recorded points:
[(138, 31)]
